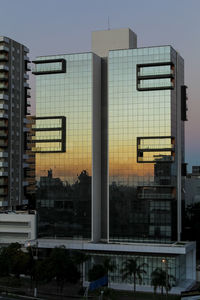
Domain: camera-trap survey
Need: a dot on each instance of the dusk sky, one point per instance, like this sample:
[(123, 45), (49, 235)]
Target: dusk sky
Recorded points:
[(65, 26)]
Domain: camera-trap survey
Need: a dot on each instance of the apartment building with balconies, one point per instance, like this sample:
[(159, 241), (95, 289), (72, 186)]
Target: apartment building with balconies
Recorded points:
[(14, 94)]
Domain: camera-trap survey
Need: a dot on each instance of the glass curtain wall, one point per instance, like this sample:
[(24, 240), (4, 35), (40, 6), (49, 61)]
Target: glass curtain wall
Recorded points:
[(63, 145), (142, 145), (148, 263)]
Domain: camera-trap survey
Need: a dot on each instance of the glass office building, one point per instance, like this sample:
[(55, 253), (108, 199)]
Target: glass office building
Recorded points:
[(63, 144), (109, 145), (144, 145)]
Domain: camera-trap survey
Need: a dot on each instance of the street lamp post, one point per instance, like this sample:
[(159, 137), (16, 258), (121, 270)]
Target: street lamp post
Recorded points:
[(34, 245), (165, 261)]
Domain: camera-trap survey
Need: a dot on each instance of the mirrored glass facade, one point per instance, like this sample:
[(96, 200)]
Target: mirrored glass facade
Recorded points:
[(63, 145), (143, 96), (109, 146), (148, 262)]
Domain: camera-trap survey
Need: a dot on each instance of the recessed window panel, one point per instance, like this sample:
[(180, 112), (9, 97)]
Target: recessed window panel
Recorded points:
[(155, 76), (154, 149), (50, 134), (50, 66)]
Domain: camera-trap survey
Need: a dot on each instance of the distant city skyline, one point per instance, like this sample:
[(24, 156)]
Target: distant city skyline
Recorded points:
[(51, 27)]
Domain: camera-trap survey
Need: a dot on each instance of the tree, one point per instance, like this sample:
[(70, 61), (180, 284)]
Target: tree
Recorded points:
[(101, 270), (79, 257), (133, 270), (40, 272), (159, 278), (60, 265), (13, 260), (109, 266)]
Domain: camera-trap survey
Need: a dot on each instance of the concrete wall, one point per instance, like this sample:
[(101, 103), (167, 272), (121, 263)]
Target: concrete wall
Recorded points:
[(17, 227), (105, 40), (104, 150), (96, 150), (191, 264)]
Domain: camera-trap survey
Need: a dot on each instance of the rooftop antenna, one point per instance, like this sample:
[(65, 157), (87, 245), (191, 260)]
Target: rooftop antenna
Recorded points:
[(108, 23)]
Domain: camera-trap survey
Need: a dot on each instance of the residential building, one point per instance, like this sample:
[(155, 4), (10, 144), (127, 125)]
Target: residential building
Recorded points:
[(192, 187), (191, 218), (110, 156), (14, 93), (30, 160)]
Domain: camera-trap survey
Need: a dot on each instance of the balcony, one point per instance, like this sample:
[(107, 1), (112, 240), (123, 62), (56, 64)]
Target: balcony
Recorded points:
[(4, 39), (3, 124), (3, 143), (27, 66), (28, 94), (28, 112), (4, 106), (3, 192), (3, 164), (26, 85), (26, 121), (4, 97), (3, 174), (3, 154), (30, 189), (4, 67), (3, 203), (3, 77), (31, 177), (26, 76), (26, 58), (4, 49), (3, 181), (3, 57), (3, 86), (3, 116), (3, 134)]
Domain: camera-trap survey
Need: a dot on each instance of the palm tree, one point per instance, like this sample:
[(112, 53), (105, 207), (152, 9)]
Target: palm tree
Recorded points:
[(79, 258), (159, 278), (109, 266), (132, 269)]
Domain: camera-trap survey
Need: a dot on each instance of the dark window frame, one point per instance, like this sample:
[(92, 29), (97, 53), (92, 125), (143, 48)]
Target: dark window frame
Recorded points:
[(158, 76), (62, 70), (63, 133)]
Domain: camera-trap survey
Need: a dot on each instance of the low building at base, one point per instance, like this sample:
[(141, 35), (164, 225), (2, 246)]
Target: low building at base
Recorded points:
[(17, 227), (177, 259)]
